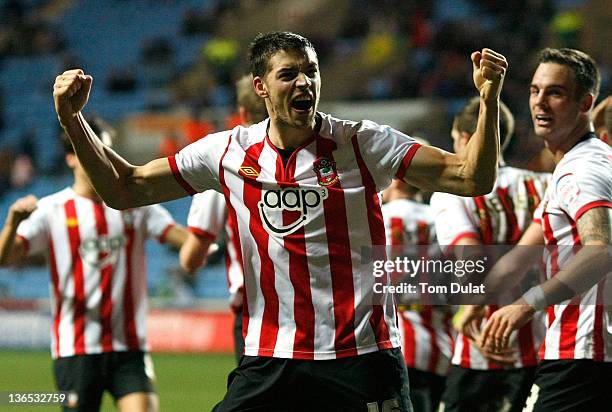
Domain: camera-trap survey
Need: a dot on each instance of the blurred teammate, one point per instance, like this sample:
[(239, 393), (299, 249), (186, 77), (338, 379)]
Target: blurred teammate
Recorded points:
[(303, 189), (208, 216), (576, 369), (98, 287), (477, 382), (427, 332), (602, 120)]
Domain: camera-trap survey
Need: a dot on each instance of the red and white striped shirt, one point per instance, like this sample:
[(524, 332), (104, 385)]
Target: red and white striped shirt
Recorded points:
[(207, 217), (499, 217), (580, 328), (301, 228), (98, 274), (427, 332)]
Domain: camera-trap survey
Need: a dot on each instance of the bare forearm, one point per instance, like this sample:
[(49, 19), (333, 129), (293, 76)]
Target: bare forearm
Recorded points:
[(591, 265), (107, 171), (482, 152), (193, 254)]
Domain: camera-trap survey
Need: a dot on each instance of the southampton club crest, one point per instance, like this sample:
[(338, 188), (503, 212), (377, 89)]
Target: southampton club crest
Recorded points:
[(326, 171)]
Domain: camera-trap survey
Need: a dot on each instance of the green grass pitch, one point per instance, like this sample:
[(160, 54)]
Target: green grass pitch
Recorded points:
[(185, 382)]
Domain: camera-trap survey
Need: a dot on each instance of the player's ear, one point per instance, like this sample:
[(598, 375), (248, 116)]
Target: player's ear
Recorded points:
[(586, 103), (260, 87), (71, 160), (465, 137)]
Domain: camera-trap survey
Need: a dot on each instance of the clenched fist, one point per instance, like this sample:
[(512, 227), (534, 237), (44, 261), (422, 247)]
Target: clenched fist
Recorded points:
[(70, 93), (489, 72), (22, 209)]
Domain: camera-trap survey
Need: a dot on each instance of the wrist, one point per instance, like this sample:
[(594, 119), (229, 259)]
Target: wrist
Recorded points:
[(68, 120), (489, 102), (535, 298)]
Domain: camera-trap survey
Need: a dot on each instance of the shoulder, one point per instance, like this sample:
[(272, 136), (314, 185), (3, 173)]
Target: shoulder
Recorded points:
[(590, 153), (56, 199), (248, 136)]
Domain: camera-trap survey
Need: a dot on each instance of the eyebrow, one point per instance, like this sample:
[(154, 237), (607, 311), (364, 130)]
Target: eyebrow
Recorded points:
[(550, 86)]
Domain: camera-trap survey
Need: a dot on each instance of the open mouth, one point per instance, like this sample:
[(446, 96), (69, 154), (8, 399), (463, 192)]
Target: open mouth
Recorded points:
[(543, 120), (302, 103)]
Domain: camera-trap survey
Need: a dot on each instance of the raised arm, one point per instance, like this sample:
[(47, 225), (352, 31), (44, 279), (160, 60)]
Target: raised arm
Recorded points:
[(119, 183), (12, 248), (473, 172)]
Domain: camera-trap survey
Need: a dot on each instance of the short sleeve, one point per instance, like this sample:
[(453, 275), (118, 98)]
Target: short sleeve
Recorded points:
[(196, 167), (452, 220), (588, 185), (35, 231), (207, 214), (386, 152), (158, 221)]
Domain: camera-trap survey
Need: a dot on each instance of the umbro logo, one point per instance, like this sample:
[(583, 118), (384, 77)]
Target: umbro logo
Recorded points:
[(248, 171)]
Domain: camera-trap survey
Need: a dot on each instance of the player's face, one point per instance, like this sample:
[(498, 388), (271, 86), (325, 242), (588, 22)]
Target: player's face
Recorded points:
[(293, 85), (554, 105)]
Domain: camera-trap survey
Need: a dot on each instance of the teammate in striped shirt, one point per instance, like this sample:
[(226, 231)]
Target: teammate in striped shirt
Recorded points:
[(479, 380), (576, 369), (208, 216), (427, 331), (303, 188), (98, 287)]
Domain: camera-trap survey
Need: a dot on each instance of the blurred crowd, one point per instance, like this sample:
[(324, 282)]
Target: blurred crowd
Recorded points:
[(368, 50)]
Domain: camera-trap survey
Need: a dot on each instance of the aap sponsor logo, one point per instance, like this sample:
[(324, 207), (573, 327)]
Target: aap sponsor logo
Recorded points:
[(304, 201)]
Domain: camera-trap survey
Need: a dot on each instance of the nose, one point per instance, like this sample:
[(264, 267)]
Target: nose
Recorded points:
[(303, 80), (538, 98)]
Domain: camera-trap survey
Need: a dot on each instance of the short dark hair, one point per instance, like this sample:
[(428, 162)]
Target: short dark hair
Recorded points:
[(467, 120), (264, 46), (585, 69), (97, 124)]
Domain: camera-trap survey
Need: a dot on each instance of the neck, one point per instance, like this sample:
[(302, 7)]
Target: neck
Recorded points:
[(84, 189), (285, 136), (559, 146)]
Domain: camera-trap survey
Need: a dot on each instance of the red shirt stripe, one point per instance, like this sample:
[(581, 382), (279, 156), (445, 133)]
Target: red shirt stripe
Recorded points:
[(513, 232), (252, 192), (299, 275), (485, 220), (338, 244), (569, 327), (77, 273), (129, 319), (106, 308), (58, 299), (409, 344), (377, 233)]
